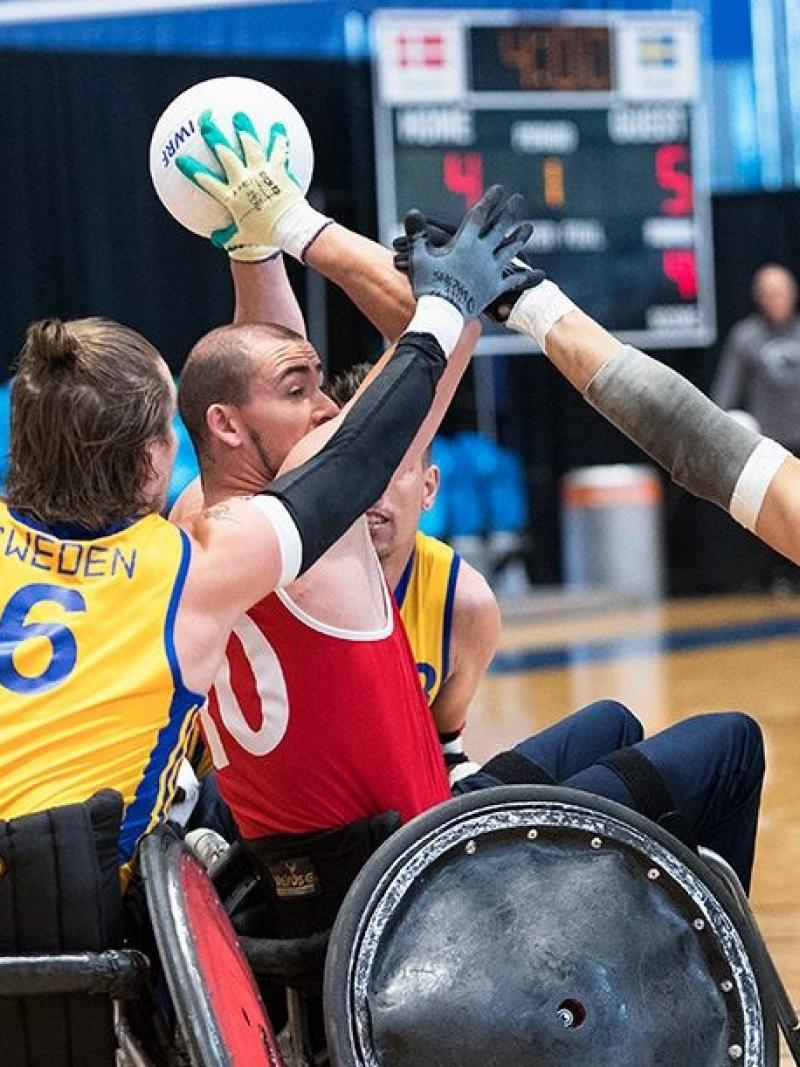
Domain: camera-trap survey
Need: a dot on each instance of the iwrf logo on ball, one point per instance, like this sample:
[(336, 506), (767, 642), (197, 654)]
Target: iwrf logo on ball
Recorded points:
[(170, 149)]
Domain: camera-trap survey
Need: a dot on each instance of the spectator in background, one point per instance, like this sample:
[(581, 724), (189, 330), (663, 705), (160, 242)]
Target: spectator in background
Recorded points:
[(759, 374), (759, 370)]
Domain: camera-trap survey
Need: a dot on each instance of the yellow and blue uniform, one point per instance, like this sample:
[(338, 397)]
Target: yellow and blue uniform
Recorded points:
[(425, 594), (91, 694)]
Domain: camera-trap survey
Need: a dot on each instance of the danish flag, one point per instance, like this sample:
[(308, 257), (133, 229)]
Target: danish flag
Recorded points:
[(425, 50)]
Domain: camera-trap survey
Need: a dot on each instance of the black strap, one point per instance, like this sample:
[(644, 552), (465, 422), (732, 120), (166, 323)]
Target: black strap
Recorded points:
[(651, 794), (305, 877), (511, 768)]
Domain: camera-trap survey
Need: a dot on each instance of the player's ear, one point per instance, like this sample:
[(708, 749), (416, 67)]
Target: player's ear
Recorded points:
[(430, 487), (225, 425)]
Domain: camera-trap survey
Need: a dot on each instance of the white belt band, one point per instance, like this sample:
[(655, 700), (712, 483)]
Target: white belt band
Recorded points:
[(754, 481)]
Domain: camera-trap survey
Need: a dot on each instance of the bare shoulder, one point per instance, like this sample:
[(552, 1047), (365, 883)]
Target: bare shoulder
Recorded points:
[(236, 557), (473, 592), (190, 502), (476, 612)]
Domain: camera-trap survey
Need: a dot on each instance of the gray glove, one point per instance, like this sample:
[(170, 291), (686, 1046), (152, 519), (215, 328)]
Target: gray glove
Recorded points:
[(526, 276), (470, 270)]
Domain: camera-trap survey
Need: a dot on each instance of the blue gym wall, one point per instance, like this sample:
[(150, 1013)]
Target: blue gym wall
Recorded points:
[(83, 233), (336, 29)]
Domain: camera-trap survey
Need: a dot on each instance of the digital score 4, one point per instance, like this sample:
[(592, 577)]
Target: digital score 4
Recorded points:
[(595, 117)]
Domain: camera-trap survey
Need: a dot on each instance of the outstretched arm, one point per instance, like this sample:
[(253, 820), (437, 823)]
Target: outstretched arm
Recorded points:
[(706, 451), (364, 270)]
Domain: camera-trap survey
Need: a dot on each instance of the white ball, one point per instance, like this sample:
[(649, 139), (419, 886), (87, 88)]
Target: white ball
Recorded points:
[(177, 133)]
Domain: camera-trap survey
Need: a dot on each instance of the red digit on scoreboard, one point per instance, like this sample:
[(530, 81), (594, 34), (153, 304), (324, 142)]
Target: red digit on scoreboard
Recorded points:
[(462, 173), (669, 159), (680, 266)]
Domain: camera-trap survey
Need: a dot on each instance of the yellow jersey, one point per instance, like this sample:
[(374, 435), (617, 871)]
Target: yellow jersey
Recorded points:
[(91, 694), (425, 595)]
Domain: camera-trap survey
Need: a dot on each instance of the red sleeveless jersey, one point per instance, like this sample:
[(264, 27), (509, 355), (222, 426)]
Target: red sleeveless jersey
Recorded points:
[(312, 727)]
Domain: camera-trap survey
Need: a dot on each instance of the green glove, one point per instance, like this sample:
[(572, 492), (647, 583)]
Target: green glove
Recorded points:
[(267, 206)]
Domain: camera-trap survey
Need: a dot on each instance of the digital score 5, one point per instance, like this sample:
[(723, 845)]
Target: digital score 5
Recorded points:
[(595, 123)]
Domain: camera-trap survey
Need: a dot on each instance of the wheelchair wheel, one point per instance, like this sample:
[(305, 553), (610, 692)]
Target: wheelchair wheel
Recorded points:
[(535, 926), (219, 1010)]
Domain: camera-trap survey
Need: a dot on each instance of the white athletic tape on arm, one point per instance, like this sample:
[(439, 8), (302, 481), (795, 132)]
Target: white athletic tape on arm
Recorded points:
[(754, 481), (538, 310), (439, 317), (298, 227), (288, 536)]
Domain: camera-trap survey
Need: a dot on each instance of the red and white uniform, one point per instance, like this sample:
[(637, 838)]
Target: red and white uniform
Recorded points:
[(312, 727)]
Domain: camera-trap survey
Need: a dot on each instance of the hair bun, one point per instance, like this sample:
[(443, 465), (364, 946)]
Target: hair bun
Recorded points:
[(50, 341)]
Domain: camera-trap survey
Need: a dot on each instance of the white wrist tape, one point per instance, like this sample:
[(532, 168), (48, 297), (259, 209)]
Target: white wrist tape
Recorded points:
[(439, 317), (289, 543), (538, 310), (754, 481), (298, 226)]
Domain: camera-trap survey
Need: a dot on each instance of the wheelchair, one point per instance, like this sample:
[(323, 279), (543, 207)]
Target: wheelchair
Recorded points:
[(536, 925), (522, 925)]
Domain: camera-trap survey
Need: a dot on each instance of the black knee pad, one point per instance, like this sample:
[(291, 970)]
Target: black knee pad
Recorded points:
[(650, 794), (512, 768)]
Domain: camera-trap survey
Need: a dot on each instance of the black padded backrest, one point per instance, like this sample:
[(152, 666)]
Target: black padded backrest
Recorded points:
[(59, 892)]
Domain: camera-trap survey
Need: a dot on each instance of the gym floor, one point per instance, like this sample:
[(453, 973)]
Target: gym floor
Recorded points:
[(665, 662)]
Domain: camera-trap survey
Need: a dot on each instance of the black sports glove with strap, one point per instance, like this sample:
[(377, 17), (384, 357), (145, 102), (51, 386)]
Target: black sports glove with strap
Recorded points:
[(470, 269), (520, 268)]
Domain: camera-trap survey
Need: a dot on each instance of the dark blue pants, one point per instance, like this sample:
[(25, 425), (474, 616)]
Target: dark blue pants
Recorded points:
[(713, 766)]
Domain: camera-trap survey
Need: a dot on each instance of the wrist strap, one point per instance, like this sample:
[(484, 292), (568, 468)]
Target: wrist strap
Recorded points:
[(298, 227), (538, 310), (440, 318)]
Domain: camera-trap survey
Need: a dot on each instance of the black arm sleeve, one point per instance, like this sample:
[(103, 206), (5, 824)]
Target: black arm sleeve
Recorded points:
[(327, 493)]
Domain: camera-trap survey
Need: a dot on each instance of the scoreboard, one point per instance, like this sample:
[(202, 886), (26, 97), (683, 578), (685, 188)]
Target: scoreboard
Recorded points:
[(595, 117)]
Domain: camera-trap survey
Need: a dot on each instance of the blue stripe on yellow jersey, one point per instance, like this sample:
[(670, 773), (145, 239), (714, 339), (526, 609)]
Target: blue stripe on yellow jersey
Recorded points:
[(425, 595), (91, 693)]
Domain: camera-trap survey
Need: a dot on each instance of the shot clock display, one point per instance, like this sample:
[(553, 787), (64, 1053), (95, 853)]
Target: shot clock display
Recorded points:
[(594, 118)]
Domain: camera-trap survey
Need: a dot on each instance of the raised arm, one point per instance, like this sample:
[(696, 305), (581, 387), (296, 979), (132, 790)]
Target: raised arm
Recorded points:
[(263, 293), (704, 450), (268, 210), (311, 506)]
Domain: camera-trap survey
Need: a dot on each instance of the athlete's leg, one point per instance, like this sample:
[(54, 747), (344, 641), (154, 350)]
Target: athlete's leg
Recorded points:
[(713, 765), (565, 748), (211, 811)]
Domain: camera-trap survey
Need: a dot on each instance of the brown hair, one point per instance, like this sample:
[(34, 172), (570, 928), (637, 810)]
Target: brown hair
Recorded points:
[(219, 370), (88, 397)]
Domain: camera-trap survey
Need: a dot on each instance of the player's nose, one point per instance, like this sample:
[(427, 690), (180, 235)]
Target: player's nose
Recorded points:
[(324, 410)]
